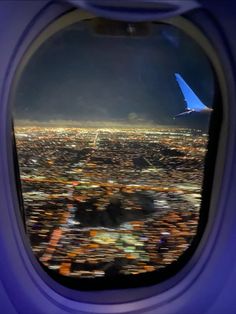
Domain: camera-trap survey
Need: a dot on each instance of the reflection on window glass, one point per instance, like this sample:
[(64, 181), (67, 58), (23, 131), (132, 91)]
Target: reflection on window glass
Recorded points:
[(111, 128)]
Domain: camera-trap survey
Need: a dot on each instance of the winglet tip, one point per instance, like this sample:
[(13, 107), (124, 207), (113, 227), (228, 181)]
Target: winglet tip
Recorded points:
[(177, 75)]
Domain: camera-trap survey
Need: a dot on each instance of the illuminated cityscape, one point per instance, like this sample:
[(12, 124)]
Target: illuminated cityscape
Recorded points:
[(106, 201)]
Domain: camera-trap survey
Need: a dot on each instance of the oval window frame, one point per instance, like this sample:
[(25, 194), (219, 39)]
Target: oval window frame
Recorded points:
[(178, 22)]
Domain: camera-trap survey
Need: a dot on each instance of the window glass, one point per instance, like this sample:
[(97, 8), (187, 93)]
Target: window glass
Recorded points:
[(111, 124)]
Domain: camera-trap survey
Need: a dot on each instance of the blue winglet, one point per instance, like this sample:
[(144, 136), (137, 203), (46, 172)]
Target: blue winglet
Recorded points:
[(192, 101)]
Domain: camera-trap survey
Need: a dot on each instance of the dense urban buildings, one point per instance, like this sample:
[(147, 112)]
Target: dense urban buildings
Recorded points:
[(106, 201)]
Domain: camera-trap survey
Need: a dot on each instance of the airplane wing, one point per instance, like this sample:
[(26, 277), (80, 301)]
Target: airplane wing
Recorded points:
[(191, 99), (184, 113)]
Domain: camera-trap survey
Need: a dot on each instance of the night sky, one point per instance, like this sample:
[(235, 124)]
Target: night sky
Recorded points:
[(81, 76)]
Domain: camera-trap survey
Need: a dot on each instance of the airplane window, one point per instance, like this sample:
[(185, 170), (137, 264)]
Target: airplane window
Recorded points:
[(111, 125)]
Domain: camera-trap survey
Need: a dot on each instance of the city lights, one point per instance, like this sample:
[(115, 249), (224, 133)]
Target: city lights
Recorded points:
[(106, 201)]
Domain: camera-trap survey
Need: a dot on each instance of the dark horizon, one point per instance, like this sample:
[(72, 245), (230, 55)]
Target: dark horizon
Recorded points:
[(101, 124), (77, 75)]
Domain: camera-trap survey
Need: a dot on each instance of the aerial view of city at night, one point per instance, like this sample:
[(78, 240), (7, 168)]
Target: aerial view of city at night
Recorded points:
[(111, 152), (94, 196)]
